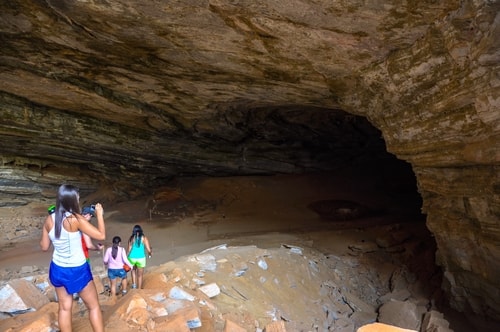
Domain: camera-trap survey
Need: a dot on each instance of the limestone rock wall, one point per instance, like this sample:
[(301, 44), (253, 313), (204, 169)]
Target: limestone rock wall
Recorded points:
[(438, 106)]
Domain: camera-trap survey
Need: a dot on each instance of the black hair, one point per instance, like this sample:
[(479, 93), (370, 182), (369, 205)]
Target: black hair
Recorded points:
[(137, 235), (67, 201), (116, 242)]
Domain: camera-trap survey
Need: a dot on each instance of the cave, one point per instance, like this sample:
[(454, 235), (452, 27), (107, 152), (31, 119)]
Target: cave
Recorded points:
[(129, 100)]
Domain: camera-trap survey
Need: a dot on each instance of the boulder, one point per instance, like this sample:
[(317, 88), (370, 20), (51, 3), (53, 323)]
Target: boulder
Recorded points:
[(20, 295)]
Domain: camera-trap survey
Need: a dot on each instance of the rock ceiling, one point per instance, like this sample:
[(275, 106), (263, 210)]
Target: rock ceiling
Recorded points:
[(135, 92), (146, 90)]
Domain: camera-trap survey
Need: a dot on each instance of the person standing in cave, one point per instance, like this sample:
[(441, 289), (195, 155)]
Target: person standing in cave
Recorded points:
[(69, 270), (138, 244), (116, 259), (87, 244)]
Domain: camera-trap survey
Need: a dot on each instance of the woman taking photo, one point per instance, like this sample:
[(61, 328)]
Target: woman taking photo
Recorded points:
[(138, 245), (116, 257), (69, 270)]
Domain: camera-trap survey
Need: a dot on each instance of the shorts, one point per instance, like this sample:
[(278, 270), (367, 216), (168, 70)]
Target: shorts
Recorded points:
[(139, 262), (73, 279), (116, 273)]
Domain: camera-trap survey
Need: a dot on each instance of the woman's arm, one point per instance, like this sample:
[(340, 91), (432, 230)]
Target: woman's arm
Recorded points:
[(89, 243), (125, 258), (106, 256), (45, 240), (147, 246)]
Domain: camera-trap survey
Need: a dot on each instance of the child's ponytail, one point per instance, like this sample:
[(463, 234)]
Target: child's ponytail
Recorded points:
[(114, 250)]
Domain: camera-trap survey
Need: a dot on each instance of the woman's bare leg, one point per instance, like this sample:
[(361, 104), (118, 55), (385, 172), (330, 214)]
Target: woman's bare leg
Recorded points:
[(89, 297), (124, 285), (65, 309), (113, 287), (140, 272), (134, 276)]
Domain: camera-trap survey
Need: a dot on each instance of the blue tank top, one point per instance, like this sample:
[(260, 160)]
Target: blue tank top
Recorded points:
[(137, 251)]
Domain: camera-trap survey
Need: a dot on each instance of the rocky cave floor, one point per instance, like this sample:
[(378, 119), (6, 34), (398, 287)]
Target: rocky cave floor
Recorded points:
[(271, 255)]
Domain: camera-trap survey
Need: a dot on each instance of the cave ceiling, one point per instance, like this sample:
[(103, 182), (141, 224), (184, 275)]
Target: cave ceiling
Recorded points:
[(147, 90), (137, 92)]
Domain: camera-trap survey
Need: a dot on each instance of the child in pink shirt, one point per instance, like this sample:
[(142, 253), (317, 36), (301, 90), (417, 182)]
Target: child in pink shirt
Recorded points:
[(116, 257)]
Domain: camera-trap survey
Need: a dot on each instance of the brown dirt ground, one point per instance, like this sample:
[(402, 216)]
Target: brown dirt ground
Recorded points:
[(192, 215)]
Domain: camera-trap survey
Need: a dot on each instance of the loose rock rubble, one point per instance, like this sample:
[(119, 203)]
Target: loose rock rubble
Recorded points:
[(247, 288)]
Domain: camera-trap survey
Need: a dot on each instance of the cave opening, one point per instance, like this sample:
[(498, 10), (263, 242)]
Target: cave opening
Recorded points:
[(305, 140), (310, 170), (329, 170)]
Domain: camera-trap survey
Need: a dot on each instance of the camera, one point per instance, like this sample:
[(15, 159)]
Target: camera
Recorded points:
[(89, 209), (92, 210)]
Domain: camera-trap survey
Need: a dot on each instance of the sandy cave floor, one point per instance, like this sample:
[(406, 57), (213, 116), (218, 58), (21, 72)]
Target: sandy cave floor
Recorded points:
[(195, 214)]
